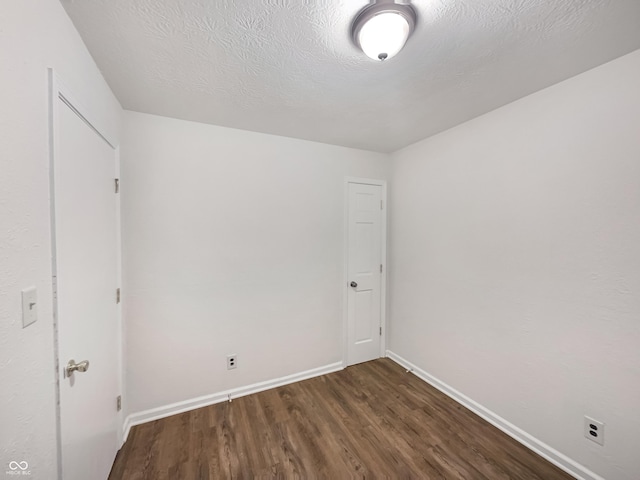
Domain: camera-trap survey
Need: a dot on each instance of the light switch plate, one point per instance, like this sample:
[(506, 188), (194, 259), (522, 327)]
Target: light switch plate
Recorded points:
[(29, 306)]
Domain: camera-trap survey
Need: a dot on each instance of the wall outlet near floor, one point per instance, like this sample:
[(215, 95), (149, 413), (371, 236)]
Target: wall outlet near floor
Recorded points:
[(232, 362), (594, 430)]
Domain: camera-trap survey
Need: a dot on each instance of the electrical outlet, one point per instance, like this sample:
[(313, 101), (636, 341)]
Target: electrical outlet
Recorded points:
[(232, 362), (594, 430)]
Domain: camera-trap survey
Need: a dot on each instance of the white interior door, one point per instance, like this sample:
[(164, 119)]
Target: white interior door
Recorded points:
[(86, 276), (364, 273)]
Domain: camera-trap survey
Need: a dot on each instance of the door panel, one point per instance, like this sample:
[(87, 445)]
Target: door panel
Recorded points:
[(86, 278), (364, 311), (364, 260)]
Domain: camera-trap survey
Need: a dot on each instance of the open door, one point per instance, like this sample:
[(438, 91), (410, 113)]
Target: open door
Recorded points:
[(85, 269)]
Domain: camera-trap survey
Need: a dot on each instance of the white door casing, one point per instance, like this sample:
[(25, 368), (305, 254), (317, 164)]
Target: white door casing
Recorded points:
[(365, 259), (85, 269)]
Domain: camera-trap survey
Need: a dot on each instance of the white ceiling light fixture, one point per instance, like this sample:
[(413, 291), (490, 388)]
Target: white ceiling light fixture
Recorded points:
[(382, 28)]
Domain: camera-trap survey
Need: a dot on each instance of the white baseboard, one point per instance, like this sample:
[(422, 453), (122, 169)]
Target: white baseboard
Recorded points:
[(560, 460), (206, 400)]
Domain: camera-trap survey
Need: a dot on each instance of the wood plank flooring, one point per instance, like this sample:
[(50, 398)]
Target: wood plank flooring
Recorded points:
[(371, 420)]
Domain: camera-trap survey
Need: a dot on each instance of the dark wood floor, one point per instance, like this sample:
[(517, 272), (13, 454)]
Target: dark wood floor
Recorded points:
[(369, 421)]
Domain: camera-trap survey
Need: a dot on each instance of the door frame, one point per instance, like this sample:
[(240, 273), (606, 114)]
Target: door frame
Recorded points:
[(383, 277), (58, 91)]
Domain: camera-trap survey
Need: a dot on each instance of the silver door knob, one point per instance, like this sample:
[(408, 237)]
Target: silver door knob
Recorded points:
[(72, 366), (354, 284)]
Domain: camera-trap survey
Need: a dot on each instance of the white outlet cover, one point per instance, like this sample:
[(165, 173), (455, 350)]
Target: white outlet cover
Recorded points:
[(231, 366), (598, 430), (29, 306)]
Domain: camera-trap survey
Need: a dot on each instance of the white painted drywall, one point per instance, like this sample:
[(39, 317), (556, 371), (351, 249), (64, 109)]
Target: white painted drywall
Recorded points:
[(34, 35), (232, 244), (515, 262)]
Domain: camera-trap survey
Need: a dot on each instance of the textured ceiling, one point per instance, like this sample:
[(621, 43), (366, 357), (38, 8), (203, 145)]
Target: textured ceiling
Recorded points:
[(288, 67)]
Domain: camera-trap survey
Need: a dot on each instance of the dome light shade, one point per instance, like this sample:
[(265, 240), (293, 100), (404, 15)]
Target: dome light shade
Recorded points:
[(382, 29)]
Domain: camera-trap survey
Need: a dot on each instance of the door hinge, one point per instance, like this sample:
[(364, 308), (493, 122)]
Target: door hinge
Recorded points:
[(117, 295), (380, 331), (117, 185), (119, 403), (381, 205), (380, 268)]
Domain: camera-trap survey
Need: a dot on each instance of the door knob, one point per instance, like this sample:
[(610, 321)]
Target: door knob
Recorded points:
[(72, 366), (354, 284)]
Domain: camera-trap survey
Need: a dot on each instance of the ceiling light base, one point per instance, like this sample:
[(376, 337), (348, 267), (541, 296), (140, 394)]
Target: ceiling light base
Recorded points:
[(381, 29)]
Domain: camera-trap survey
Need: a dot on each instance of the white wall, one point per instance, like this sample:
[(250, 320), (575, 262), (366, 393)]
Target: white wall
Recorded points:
[(515, 262), (232, 243), (34, 35)]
